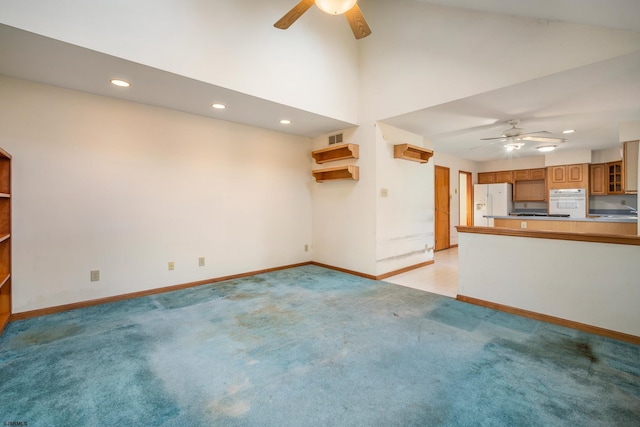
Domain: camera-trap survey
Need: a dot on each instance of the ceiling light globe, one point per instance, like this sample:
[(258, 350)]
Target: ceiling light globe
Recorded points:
[(547, 148), (335, 7)]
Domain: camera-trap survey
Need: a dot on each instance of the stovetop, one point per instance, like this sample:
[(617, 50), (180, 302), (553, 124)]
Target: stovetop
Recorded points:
[(539, 214)]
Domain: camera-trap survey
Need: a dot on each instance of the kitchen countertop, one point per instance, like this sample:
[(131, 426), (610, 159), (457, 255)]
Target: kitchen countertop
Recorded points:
[(593, 218)]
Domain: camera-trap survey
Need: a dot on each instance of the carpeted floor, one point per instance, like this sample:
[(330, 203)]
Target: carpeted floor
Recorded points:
[(310, 347)]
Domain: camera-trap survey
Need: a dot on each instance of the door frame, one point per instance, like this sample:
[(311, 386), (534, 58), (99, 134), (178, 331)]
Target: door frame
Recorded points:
[(468, 177)]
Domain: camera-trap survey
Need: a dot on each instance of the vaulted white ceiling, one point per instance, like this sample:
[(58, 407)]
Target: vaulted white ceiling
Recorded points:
[(593, 99)]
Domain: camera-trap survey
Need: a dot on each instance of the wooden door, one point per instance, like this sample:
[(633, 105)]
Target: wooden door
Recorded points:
[(442, 226)]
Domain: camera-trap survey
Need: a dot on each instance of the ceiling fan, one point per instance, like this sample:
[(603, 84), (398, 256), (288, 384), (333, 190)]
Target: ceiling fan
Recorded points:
[(515, 137), (349, 8)]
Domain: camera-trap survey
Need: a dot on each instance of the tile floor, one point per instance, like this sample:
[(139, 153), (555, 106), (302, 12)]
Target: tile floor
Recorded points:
[(439, 278)]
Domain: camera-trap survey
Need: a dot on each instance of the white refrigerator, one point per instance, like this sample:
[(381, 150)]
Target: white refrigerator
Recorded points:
[(491, 199)]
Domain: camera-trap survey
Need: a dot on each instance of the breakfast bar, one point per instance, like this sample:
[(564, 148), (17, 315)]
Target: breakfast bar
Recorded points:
[(585, 281), (600, 224)]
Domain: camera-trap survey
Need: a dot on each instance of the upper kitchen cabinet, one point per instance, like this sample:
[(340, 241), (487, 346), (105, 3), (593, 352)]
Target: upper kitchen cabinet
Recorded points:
[(486, 178), (495, 177), (504, 176), (630, 167), (597, 179), (529, 185), (529, 174), (614, 177), (568, 176)]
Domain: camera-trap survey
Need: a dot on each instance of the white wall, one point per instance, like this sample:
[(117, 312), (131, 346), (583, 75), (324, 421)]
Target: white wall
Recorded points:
[(312, 66), (343, 215), (566, 279), (613, 154), (630, 131), (405, 217), (512, 164), (567, 157), (125, 188)]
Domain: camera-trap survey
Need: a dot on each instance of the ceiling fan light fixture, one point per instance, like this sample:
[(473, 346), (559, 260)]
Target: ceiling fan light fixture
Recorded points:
[(568, 131), (335, 7), (546, 148), (514, 146)]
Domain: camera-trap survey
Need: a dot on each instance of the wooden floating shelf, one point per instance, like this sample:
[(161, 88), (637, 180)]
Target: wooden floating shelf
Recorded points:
[(342, 172), (338, 152), (412, 152)]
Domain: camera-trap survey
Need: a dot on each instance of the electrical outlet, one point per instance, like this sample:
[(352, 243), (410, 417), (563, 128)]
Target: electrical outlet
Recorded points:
[(623, 202), (201, 261), (523, 224), (95, 275), (384, 192), (172, 265), (306, 248)]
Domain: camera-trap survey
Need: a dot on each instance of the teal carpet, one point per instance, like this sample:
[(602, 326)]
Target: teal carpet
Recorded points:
[(310, 347)]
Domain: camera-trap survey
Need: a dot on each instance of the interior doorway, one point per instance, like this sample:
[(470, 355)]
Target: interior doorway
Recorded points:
[(465, 184), (443, 217)]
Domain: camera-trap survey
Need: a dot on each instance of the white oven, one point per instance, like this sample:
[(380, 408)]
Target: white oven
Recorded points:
[(568, 201)]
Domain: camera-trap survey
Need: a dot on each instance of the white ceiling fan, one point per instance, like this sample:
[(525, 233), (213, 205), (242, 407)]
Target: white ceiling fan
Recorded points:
[(515, 137)]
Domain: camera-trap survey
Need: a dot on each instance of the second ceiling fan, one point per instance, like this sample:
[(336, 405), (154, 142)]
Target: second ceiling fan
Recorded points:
[(514, 137), (349, 8)]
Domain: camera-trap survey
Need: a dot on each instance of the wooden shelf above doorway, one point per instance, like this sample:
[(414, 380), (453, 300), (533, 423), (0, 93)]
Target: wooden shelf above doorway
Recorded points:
[(412, 152), (342, 172)]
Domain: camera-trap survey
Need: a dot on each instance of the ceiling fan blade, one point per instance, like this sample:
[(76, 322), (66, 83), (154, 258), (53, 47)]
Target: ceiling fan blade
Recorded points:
[(483, 145), (542, 139), (357, 22), (295, 13), (489, 139), (534, 133)]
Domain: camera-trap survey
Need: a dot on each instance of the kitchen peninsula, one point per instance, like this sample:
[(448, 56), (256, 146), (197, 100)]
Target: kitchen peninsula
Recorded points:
[(554, 276), (600, 224)]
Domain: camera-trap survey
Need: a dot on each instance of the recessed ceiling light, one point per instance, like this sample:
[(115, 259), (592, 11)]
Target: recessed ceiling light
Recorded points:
[(546, 148), (569, 131), (120, 83), (219, 106), (285, 122)]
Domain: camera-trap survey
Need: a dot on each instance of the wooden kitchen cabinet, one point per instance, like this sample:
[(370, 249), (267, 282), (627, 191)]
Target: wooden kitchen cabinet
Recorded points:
[(568, 176), (529, 174), (597, 184), (630, 166), (504, 176), (536, 174), (495, 177), (486, 178), (615, 181), (530, 191)]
